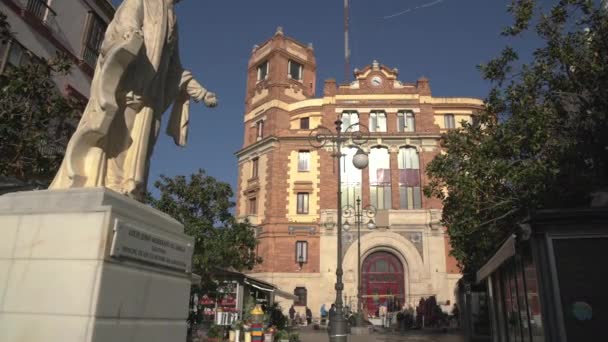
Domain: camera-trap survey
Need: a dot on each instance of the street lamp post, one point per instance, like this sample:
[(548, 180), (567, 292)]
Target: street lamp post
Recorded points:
[(357, 213), (357, 134)]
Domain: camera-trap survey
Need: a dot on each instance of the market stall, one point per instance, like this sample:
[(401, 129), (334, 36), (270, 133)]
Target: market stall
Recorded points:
[(236, 293)]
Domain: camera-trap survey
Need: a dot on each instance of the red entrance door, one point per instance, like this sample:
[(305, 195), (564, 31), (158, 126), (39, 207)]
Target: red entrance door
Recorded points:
[(382, 282)]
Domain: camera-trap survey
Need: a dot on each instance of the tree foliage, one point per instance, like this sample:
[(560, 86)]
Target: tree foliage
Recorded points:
[(5, 29), (36, 120), (202, 204), (542, 140)]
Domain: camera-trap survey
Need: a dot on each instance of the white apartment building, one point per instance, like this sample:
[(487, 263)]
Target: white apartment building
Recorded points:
[(41, 28)]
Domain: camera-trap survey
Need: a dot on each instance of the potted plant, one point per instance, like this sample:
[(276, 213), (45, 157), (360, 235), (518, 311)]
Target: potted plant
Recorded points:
[(294, 336), (214, 334), (247, 331), (235, 331), (269, 333), (282, 336)]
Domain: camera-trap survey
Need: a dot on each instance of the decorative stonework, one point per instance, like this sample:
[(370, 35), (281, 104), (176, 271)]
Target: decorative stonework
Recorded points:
[(350, 237), (293, 230), (435, 219), (303, 186), (253, 187), (296, 92), (328, 221), (297, 51), (261, 92), (261, 53), (416, 239)]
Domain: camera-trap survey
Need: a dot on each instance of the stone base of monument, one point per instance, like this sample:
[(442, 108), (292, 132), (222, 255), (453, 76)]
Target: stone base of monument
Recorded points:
[(91, 265)]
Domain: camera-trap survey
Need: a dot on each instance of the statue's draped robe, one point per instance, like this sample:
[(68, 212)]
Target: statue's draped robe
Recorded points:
[(114, 150)]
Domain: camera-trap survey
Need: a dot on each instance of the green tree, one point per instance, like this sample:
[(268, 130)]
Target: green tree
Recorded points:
[(202, 204), (36, 120), (542, 140), (5, 29)]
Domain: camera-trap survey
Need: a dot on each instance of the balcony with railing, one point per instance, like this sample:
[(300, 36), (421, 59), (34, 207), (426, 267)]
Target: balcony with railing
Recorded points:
[(89, 56), (38, 9), (96, 29)]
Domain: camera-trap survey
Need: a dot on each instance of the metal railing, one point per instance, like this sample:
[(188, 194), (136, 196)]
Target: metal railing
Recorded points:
[(90, 56), (40, 9)]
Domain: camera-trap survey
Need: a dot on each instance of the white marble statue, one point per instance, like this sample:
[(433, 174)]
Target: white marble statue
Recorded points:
[(137, 78)]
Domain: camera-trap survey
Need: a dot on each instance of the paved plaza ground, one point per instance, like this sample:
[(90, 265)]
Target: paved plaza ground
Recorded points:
[(310, 335)]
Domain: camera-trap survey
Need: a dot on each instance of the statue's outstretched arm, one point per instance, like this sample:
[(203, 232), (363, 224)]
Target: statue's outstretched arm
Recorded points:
[(186, 87), (185, 81), (199, 93)]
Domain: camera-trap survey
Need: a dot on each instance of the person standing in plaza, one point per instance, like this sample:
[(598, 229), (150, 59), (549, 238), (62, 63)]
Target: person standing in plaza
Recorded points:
[(323, 314), (308, 316), (332, 312), (292, 313), (382, 312)]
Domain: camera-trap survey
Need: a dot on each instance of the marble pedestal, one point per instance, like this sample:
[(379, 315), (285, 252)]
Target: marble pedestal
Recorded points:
[(86, 265)]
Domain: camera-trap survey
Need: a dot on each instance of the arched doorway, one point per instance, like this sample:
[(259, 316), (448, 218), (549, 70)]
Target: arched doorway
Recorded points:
[(382, 278)]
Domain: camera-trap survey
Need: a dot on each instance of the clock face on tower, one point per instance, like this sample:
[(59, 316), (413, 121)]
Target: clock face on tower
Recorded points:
[(376, 81)]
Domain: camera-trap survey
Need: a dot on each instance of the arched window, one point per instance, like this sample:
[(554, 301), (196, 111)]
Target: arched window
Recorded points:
[(350, 117), (377, 121), (380, 178), (351, 177), (409, 179), (301, 293)]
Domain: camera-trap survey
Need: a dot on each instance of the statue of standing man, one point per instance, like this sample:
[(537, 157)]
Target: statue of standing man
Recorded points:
[(137, 78)]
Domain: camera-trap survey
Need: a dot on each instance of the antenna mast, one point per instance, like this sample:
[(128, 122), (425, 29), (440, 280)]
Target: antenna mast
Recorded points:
[(346, 49)]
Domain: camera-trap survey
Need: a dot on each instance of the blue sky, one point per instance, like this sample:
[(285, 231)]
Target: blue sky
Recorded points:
[(442, 40)]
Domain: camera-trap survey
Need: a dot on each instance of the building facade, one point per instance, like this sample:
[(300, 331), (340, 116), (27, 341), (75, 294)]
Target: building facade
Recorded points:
[(288, 189), (42, 28)]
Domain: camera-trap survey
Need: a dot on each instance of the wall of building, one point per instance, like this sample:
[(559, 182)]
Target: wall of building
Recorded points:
[(414, 236), (64, 31)]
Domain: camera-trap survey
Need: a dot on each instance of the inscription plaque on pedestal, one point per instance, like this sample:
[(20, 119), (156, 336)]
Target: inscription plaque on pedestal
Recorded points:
[(140, 244)]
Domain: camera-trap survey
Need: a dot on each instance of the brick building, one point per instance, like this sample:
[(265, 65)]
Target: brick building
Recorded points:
[(288, 188)]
